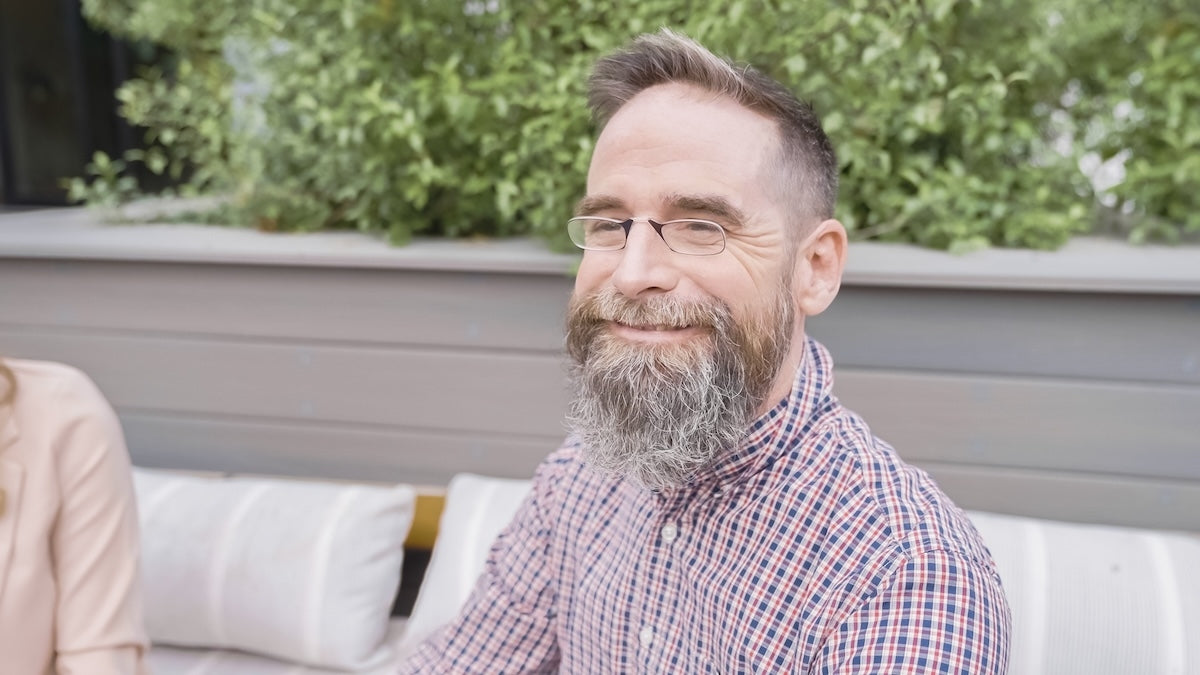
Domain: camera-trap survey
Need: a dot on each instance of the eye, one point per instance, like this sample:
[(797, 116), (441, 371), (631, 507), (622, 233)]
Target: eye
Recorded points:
[(694, 237), (598, 226), (595, 233), (695, 230), (701, 227)]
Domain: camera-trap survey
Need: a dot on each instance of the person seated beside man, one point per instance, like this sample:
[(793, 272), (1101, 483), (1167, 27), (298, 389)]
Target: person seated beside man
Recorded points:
[(70, 591)]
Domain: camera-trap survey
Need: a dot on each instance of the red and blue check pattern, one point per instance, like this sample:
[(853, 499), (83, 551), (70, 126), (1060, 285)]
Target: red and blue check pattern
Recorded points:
[(811, 549)]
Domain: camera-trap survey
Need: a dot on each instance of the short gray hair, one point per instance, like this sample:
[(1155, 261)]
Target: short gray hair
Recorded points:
[(806, 161)]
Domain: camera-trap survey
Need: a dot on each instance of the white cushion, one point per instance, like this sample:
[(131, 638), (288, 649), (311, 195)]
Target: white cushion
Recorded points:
[(1096, 599), (477, 508), (164, 660), (297, 570)]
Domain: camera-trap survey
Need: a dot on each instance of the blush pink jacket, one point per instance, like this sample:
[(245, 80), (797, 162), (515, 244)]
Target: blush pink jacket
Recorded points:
[(70, 599)]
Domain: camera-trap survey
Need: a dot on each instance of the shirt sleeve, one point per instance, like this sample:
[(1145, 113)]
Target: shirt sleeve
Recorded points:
[(99, 624), (938, 613), (508, 623)]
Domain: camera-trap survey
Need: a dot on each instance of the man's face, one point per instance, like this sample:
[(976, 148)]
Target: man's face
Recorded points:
[(671, 349), (675, 151)]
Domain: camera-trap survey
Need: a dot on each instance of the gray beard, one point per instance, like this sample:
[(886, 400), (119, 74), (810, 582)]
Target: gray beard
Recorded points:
[(658, 414)]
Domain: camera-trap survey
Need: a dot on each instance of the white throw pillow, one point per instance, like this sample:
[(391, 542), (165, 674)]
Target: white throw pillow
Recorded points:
[(1097, 600), (477, 509), (303, 571), (164, 660)]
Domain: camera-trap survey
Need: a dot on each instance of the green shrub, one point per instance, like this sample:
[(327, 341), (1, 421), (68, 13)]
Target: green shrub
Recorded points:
[(467, 118), (1136, 79)]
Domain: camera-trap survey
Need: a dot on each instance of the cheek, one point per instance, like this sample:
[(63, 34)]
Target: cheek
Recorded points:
[(591, 275), (751, 297), (733, 286)]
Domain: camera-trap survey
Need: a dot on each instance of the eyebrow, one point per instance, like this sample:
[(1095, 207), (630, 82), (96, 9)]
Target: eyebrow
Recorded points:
[(592, 204), (713, 206)]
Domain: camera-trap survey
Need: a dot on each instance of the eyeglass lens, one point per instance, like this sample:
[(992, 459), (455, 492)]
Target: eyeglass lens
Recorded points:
[(696, 237)]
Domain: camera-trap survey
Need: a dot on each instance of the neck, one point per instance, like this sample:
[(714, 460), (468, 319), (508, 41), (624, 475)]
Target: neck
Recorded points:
[(785, 377)]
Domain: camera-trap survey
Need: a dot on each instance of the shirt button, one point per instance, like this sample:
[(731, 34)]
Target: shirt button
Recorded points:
[(669, 532), (646, 636)]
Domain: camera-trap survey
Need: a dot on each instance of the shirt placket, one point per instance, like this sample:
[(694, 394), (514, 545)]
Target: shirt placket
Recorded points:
[(655, 634)]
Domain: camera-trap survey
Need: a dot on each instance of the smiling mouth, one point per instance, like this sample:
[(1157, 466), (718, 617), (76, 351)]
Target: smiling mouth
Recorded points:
[(651, 327), (654, 331)]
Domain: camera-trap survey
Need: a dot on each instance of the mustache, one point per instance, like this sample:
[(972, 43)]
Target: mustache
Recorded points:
[(609, 305), (589, 316)]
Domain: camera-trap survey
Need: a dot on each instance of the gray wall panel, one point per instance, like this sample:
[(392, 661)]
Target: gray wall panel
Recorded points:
[(513, 311), (374, 365), (355, 452), (1138, 338), (480, 391), (1124, 501), (1069, 425)]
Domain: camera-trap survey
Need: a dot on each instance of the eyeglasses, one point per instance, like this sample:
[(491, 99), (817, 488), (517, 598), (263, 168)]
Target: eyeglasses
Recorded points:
[(687, 236)]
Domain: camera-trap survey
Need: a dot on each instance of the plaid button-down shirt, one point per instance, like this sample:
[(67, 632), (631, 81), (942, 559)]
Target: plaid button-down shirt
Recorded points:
[(812, 548)]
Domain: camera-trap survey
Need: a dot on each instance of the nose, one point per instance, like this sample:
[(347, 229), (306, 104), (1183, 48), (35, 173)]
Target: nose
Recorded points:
[(646, 264)]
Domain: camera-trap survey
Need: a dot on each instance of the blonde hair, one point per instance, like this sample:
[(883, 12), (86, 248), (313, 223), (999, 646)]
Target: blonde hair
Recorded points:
[(806, 164), (9, 391)]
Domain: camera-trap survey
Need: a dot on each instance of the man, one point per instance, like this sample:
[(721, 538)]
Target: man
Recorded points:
[(716, 510)]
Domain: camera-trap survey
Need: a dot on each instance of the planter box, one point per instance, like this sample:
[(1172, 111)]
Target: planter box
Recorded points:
[(1061, 384)]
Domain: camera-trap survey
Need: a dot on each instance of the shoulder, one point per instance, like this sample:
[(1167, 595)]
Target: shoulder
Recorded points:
[(564, 464), (58, 406), (896, 535), (896, 508), (564, 479), (41, 382), (553, 476)]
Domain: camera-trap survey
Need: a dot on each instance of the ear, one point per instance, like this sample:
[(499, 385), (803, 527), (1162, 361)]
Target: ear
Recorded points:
[(820, 260)]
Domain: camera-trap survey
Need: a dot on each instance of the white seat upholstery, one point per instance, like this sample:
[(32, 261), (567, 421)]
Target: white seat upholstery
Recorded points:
[(1086, 599)]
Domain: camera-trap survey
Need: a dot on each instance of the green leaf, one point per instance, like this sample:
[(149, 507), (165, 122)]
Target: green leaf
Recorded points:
[(394, 118)]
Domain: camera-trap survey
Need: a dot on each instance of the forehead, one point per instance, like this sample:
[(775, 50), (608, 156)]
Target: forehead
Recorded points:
[(679, 139)]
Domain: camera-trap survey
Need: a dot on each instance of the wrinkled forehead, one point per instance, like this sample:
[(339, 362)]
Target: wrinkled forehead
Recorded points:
[(679, 138)]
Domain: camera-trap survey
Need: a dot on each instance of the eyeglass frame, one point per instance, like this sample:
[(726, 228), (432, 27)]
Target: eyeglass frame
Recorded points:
[(628, 223)]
